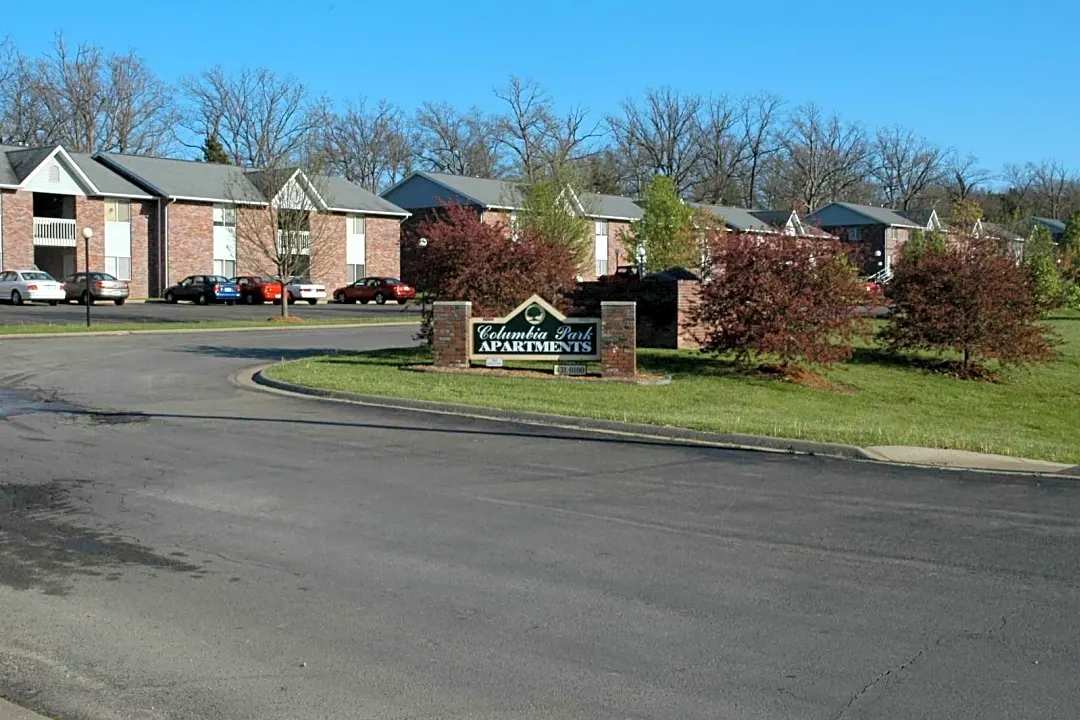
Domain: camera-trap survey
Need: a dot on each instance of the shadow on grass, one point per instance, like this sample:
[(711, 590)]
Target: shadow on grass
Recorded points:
[(696, 364)]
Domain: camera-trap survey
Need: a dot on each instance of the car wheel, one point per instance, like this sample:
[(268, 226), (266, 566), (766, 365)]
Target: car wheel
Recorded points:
[(312, 301), (53, 303), (86, 299), (380, 299), (119, 301), (291, 299), (249, 299), (202, 299), (16, 298), (170, 298), (340, 298)]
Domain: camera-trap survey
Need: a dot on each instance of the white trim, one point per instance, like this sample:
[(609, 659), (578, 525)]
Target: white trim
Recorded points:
[(71, 166), (358, 211)]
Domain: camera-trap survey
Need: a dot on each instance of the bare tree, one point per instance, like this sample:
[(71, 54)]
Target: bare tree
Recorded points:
[(95, 102), (906, 165), (824, 157), (965, 177), (24, 119), (261, 119), (450, 141), (661, 136), (723, 153), (370, 146), (758, 121), (283, 227), (1052, 185)]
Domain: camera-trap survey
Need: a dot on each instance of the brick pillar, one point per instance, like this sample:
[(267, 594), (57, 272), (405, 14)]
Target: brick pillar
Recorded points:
[(90, 212), (689, 333), (618, 338), (450, 333), (17, 225)]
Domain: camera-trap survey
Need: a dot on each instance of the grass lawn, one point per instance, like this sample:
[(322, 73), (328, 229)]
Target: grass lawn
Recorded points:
[(1034, 413), (45, 328)]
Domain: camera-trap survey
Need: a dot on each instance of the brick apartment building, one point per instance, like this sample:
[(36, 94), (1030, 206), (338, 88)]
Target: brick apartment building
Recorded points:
[(157, 220), (497, 201)]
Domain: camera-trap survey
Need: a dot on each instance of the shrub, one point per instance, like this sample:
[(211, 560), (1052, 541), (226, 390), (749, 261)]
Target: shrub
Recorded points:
[(466, 259), (1040, 261), (771, 295), (971, 298)]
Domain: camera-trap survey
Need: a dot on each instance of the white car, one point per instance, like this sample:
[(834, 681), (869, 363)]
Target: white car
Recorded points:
[(305, 290), (19, 286)]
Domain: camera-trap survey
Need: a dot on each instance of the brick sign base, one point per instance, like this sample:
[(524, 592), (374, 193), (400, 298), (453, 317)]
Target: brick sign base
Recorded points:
[(618, 336)]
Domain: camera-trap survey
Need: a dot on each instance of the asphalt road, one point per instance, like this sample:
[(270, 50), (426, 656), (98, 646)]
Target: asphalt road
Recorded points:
[(156, 312), (172, 546)]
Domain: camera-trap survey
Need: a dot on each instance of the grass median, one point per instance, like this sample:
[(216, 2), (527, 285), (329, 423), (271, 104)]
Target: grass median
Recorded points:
[(264, 324), (1034, 412)]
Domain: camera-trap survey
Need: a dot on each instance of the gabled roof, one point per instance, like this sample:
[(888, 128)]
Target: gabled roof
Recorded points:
[(776, 218), (995, 230), (214, 182), (491, 194), (859, 215), (927, 217), (17, 164), (1057, 227), (107, 182), (738, 219)]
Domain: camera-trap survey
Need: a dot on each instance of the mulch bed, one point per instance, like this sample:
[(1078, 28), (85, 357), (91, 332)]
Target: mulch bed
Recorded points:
[(537, 374), (289, 320)]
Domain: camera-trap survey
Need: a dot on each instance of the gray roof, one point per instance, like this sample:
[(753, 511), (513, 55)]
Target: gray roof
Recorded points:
[(1055, 226), (1000, 231), (739, 219), (874, 215), (776, 218), (16, 164), (196, 180), (919, 217), (507, 194)]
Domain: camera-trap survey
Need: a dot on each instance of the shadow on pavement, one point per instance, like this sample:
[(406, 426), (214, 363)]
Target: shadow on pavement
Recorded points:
[(267, 354)]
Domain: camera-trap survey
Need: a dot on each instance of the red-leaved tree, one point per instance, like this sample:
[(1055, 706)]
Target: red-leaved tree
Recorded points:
[(971, 298), (466, 259), (791, 298)]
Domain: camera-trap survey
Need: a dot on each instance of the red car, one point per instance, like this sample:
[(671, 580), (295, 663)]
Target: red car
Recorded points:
[(379, 289), (257, 290)]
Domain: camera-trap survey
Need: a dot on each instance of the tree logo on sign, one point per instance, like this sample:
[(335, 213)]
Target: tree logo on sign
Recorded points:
[(534, 314)]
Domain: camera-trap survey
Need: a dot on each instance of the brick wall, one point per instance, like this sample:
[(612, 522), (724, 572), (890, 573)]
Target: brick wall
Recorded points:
[(328, 260), (256, 234), (496, 217), (450, 333), (383, 247), (191, 240), (140, 243), (618, 339), (18, 229), (90, 212)]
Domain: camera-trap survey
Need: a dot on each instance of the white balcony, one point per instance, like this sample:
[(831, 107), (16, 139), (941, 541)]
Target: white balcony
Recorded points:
[(54, 232), (296, 242)]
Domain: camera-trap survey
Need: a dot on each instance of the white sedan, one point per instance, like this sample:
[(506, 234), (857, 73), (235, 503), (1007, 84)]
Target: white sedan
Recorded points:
[(21, 286), (313, 292)]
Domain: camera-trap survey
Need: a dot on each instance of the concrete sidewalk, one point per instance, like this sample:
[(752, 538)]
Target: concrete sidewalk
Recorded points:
[(8, 711), (937, 457)]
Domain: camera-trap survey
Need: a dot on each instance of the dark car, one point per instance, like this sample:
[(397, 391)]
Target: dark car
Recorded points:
[(103, 286), (204, 289), (623, 274), (255, 289), (379, 289)]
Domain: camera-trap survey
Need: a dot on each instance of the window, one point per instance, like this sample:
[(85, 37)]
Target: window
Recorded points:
[(853, 234), (54, 173), (356, 272), (600, 247), (118, 266), (224, 216), (297, 220), (358, 225), (225, 267), (117, 210)]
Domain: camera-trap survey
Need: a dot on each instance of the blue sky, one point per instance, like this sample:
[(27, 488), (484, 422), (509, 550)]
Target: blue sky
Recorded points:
[(989, 78)]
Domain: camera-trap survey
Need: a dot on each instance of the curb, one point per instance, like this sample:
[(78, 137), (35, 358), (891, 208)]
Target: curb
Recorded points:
[(10, 711), (253, 378), (184, 331)]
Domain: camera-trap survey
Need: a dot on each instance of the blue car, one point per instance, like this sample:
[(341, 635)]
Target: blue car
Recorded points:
[(204, 289)]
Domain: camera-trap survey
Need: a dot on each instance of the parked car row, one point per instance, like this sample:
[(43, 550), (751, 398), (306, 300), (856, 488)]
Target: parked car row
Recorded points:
[(21, 286)]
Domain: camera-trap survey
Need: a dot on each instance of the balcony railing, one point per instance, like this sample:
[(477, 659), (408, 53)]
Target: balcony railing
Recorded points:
[(54, 232), (293, 241)]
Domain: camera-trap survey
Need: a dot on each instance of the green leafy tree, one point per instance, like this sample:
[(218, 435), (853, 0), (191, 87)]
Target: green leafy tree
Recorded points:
[(665, 235), (1040, 261), (554, 209), (920, 243), (214, 151), (1071, 239)]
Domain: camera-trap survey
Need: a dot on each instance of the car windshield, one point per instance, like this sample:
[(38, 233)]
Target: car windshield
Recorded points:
[(260, 279), (102, 276), (392, 281), (36, 276)]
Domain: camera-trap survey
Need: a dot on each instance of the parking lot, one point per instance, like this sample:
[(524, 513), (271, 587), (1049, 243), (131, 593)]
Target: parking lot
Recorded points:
[(159, 312)]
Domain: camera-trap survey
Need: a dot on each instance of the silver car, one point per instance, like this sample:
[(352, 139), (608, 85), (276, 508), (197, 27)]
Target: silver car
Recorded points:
[(103, 286)]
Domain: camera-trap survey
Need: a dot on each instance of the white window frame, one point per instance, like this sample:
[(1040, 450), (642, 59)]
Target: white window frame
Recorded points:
[(601, 234), (225, 268), (355, 227), (121, 210), (224, 216)]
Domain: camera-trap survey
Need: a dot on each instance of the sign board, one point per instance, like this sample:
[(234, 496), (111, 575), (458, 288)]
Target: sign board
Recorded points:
[(535, 330), (577, 369), (494, 362)]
